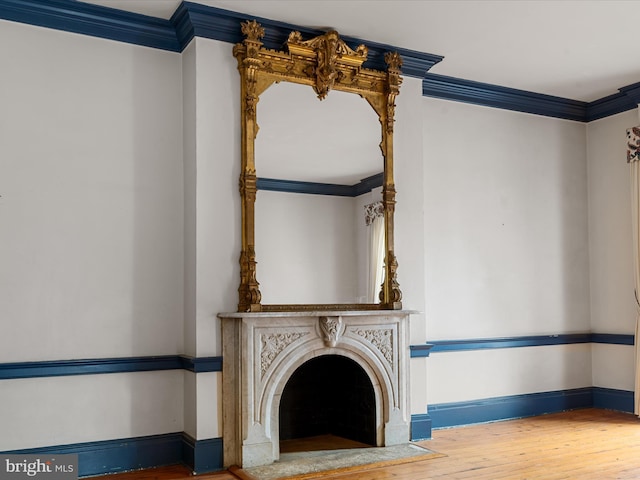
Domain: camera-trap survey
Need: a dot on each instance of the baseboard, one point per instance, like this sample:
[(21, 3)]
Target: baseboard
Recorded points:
[(202, 456), (444, 415), (121, 455), (421, 426), (611, 399)]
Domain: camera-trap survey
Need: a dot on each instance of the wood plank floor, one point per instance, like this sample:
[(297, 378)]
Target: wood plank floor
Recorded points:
[(582, 444)]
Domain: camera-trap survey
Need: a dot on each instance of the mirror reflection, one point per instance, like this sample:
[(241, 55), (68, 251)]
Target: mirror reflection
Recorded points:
[(335, 229)]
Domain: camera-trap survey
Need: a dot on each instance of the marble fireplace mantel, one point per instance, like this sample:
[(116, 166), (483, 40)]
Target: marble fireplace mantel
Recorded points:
[(262, 350)]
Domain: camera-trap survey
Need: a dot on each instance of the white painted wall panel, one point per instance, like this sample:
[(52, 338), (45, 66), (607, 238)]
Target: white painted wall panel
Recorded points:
[(209, 404), (461, 376), (218, 239), (611, 255), (189, 103), (506, 250), (37, 412), (306, 248), (613, 366), (91, 197), (410, 207)]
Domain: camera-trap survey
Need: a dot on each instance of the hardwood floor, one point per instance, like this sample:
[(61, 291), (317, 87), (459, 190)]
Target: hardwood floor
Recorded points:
[(582, 444)]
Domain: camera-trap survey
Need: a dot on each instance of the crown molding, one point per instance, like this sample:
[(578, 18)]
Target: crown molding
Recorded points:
[(468, 91), (188, 21), (626, 99), (489, 95), (93, 20), (193, 19)]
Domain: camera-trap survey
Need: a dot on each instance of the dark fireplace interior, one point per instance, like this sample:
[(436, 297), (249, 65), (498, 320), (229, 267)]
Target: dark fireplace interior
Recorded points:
[(330, 394)]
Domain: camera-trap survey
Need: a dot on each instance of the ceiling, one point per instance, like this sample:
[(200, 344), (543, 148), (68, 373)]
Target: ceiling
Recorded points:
[(579, 49)]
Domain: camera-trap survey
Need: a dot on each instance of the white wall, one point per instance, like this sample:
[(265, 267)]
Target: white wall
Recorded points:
[(306, 248), (611, 255), (506, 221), (112, 246), (506, 247), (91, 185), (38, 412), (212, 219), (217, 157), (91, 233)]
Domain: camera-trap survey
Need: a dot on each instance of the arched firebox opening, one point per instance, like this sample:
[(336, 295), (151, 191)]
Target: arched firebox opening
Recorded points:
[(328, 395)]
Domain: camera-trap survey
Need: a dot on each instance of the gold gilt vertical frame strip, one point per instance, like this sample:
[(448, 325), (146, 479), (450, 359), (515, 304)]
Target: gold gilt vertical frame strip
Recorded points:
[(325, 63)]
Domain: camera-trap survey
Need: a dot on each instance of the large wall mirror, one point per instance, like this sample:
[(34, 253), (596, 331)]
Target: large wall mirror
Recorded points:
[(317, 186)]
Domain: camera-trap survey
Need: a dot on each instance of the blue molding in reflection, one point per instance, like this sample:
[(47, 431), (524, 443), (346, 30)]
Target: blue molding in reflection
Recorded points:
[(295, 186)]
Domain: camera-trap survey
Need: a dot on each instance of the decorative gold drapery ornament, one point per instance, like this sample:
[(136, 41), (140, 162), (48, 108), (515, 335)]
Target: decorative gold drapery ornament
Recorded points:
[(373, 211), (633, 144)]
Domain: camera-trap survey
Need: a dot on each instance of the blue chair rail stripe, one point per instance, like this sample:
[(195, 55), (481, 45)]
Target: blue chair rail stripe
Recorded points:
[(57, 368), (438, 346)]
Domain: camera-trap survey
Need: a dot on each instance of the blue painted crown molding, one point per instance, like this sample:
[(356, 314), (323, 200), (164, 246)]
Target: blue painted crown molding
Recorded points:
[(195, 20), (467, 91), (488, 95), (94, 20), (189, 20)]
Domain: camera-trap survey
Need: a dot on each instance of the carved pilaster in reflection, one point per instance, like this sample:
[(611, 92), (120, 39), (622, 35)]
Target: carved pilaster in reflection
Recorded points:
[(331, 328)]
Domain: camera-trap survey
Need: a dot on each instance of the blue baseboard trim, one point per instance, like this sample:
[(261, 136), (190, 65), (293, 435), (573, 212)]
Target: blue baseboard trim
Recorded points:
[(202, 456), (454, 414), (421, 427), (612, 399), (445, 415), (59, 368), (114, 456)]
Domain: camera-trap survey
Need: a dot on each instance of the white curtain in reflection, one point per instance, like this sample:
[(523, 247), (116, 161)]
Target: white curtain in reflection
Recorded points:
[(375, 220), (633, 158)]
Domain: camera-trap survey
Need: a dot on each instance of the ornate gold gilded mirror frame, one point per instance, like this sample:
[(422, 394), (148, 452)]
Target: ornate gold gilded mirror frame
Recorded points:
[(325, 63)]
